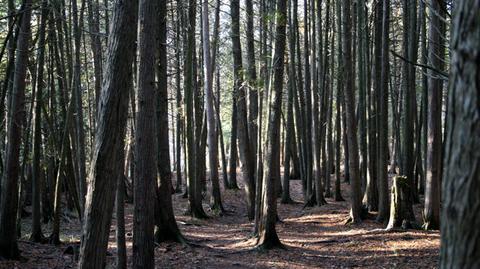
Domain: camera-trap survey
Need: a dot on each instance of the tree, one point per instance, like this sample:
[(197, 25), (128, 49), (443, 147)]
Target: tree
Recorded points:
[(37, 234), (382, 118), (436, 58), (351, 128), (167, 228), (267, 237), (145, 137), (216, 203), (194, 185), (109, 135), (242, 121), (460, 212), (9, 197)]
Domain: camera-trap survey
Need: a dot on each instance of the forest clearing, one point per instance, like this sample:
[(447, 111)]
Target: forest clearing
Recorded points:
[(239, 134)]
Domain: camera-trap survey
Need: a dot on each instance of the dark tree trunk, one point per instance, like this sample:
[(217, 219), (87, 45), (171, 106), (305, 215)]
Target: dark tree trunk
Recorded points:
[(382, 116), (242, 121), (351, 128), (167, 228), (37, 235), (146, 144), (268, 237), (108, 146), (9, 197), (460, 214), (194, 186), (435, 93)]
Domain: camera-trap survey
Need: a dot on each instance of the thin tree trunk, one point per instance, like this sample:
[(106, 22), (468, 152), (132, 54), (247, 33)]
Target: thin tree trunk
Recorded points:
[(37, 235), (351, 130), (268, 237), (436, 58)]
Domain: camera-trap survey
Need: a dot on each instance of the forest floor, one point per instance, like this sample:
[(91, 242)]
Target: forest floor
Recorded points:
[(314, 238)]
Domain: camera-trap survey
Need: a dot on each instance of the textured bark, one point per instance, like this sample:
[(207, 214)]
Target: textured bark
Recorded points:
[(460, 244), (401, 202), (268, 237), (436, 58), (167, 228), (113, 107), (9, 197), (96, 46), (146, 144), (351, 128)]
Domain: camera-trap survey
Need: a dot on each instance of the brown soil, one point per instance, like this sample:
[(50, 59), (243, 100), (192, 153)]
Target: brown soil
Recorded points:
[(314, 238)]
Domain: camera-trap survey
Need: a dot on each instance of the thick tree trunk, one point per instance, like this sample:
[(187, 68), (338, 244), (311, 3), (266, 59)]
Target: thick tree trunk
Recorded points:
[(400, 214), (109, 136), (146, 144), (9, 197), (167, 228), (461, 209)]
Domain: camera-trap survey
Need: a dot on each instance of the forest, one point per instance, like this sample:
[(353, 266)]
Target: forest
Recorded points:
[(239, 134)]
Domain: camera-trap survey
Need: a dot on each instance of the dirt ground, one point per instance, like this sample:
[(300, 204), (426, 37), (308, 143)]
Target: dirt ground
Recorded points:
[(314, 238)]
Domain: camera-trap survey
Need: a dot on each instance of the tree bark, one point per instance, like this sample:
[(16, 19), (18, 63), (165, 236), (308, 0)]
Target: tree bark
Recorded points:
[(268, 237), (242, 121), (9, 197), (146, 144), (436, 58), (460, 212), (112, 117), (351, 128)]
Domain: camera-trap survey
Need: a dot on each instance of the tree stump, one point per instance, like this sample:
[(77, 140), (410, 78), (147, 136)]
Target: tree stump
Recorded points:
[(401, 210)]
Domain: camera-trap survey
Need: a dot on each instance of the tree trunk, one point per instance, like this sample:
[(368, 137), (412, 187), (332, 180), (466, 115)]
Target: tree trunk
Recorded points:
[(146, 144), (382, 116), (244, 144), (268, 237), (460, 214), (400, 214), (435, 93), (108, 146), (167, 228), (77, 93), (9, 197), (351, 128), (194, 188), (37, 234)]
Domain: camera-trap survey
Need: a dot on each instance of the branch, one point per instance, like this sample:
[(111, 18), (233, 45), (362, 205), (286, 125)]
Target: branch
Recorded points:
[(441, 73)]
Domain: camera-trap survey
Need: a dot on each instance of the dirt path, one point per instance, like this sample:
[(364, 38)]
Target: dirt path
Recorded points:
[(314, 238)]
